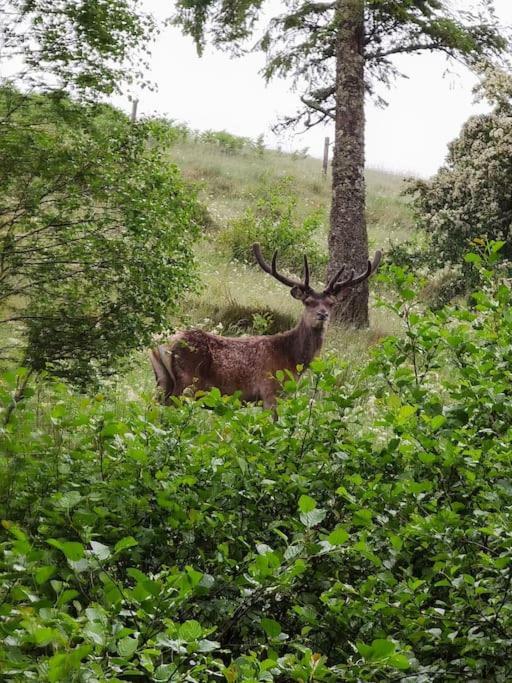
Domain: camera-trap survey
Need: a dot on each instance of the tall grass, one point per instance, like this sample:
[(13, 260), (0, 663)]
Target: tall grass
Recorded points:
[(229, 183)]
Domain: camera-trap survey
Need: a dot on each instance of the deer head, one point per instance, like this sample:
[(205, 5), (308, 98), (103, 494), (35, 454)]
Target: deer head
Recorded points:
[(318, 305)]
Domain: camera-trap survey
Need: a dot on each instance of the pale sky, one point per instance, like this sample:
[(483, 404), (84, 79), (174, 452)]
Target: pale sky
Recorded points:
[(217, 92)]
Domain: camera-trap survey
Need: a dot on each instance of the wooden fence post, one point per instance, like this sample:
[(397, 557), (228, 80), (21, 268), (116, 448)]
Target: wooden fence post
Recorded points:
[(325, 164), (135, 104)]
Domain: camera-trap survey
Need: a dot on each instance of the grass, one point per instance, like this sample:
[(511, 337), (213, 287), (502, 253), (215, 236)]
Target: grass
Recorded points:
[(228, 184)]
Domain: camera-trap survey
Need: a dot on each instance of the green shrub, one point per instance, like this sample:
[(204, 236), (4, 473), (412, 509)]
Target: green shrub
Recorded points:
[(469, 198), (96, 233), (226, 142), (363, 536), (274, 222)]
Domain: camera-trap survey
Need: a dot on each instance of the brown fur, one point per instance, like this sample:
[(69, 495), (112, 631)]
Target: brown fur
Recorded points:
[(249, 364)]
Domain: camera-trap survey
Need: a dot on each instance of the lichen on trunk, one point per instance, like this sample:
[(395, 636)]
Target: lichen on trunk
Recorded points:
[(348, 239)]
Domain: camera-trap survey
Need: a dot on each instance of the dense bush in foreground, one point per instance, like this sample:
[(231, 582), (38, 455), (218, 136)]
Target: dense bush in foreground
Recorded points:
[(364, 536)]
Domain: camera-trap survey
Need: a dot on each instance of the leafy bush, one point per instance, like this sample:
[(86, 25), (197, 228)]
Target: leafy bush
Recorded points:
[(226, 142), (469, 198), (175, 132), (365, 535), (96, 229), (238, 319), (273, 221)]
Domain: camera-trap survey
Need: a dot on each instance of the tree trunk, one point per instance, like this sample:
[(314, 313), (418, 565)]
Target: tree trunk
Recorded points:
[(348, 239)]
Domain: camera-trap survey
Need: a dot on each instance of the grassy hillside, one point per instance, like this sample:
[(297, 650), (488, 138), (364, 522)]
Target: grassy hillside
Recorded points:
[(229, 183)]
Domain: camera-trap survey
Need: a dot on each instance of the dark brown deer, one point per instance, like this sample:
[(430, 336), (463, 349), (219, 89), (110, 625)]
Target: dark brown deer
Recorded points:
[(202, 360)]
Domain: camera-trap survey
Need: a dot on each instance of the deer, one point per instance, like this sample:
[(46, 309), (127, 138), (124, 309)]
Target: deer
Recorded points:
[(201, 360)]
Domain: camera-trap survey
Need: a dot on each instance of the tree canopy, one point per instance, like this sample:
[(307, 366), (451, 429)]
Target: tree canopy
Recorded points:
[(89, 46), (300, 40)]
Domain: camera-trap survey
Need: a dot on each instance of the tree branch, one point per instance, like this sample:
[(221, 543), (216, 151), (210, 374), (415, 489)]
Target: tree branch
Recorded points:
[(327, 113)]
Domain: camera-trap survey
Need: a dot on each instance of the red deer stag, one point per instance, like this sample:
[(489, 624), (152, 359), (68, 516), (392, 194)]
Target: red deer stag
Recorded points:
[(249, 364)]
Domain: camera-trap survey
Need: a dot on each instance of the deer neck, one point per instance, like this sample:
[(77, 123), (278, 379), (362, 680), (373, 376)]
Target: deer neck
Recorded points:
[(305, 343)]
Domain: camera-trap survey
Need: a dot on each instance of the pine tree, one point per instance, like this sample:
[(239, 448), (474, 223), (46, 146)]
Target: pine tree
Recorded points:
[(336, 52)]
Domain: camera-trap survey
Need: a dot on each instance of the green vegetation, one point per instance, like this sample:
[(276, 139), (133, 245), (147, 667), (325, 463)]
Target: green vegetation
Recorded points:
[(362, 536), (96, 230), (469, 198), (274, 224)]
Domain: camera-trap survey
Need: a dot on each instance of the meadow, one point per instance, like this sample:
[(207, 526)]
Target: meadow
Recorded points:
[(229, 185)]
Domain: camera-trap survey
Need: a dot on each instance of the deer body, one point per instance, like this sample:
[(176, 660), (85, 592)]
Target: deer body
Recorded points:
[(248, 364), (201, 360)]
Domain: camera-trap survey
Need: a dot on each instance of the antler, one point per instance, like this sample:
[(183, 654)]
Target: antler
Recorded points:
[(272, 269), (335, 285)]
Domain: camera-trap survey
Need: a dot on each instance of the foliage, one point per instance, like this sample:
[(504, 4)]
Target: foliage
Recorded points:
[(95, 232), (235, 319), (274, 223), (89, 47), (365, 535), (226, 142), (468, 200), (301, 41)]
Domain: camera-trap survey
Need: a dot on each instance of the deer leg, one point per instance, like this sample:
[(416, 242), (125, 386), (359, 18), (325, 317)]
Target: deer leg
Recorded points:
[(163, 380), (268, 396)]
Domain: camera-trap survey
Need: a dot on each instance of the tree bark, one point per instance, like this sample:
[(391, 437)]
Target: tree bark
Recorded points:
[(348, 239)]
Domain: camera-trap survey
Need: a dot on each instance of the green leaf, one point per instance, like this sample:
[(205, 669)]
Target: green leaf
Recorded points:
[(312, 518), (338, 536), (473, 258), (396, 541), (164, 672), (127, 646), (364, 650), (102, 552), (124, 543), (272, 628), (62, 666), (190, 630), (66, 596), (206, 645), (399, 662), (68, 500), (44, 573), (45, 636), (95, 632), (363, 517), (71, 549), (381, 649), (437, 422), (405, 413), (306, 504)]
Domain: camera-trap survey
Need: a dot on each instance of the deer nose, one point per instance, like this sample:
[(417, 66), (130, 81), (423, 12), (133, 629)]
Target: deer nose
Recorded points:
[(322, 315)]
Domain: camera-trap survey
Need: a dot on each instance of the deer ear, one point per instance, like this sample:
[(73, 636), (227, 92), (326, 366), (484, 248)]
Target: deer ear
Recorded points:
[(298, 293)]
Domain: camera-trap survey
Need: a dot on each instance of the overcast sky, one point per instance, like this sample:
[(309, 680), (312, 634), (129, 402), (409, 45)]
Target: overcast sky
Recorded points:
[(217, 92)]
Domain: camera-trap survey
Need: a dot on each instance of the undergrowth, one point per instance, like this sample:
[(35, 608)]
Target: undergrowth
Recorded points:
[(364, 535)]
